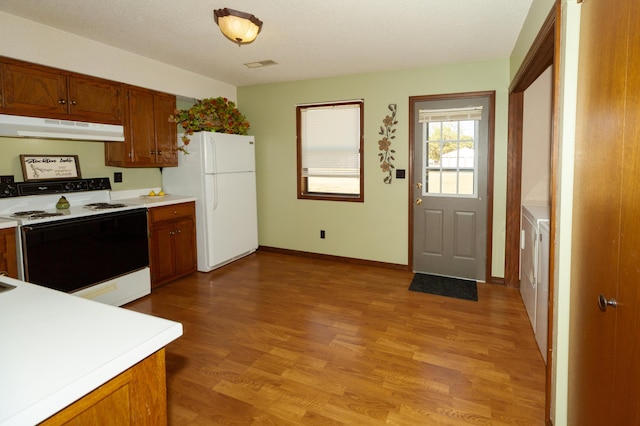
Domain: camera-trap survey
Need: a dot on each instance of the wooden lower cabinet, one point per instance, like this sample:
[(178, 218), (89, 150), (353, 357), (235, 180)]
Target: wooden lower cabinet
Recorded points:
[(8, 259), (172, 242), (138, 396)]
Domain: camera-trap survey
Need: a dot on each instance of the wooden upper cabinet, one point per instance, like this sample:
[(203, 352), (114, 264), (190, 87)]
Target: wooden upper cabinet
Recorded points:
[(31, 89), (150, 139), (166, 132), (141, 132), (95, 99), (34, 90)]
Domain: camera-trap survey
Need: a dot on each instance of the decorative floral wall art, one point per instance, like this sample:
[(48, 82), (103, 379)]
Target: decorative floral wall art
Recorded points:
[(387, 131)]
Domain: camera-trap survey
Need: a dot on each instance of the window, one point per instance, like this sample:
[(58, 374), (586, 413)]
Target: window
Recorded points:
[(330, 151), (450, 151)]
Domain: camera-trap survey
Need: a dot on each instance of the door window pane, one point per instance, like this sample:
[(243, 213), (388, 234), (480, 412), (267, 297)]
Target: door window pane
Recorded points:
[(450, 160)]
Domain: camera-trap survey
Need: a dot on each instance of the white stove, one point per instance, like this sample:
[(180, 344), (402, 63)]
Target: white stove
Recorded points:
[(96, 248), (42, 208)]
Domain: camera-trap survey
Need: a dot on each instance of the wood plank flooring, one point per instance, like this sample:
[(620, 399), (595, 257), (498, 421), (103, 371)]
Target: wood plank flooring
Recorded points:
[(274, 339)]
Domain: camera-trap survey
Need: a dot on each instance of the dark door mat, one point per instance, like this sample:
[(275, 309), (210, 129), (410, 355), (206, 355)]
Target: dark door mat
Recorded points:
[(445, 286)]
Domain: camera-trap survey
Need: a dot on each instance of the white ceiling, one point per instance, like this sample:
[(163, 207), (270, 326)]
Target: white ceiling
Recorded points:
[(307, 39)]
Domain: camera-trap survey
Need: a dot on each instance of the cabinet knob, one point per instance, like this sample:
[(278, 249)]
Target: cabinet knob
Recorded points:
[(73, 102), (62, 101)]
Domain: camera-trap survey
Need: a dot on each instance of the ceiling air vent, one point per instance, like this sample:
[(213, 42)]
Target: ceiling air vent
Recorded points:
[(260, 64)]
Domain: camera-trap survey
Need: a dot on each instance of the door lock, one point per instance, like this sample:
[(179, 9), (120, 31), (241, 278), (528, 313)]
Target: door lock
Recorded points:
[(603, 302), (419, 201), (419, 185)]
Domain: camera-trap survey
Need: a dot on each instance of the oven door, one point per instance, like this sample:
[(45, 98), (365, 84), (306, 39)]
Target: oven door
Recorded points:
[(72, 254)]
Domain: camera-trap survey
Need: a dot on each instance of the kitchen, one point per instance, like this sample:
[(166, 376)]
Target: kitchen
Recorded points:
[(76, 235), (490, 73)]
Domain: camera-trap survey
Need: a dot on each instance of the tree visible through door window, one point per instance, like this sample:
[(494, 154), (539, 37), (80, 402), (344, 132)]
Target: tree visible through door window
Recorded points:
[(330, 150), (450, 154)]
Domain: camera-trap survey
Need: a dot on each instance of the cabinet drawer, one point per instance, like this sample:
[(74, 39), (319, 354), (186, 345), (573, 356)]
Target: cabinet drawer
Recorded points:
[(173, 211)]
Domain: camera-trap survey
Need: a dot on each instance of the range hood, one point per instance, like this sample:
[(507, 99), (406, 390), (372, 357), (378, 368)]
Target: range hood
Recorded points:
[(47, 128)]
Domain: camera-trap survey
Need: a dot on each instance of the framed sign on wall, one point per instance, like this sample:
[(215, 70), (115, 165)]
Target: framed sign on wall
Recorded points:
[(49, 167)]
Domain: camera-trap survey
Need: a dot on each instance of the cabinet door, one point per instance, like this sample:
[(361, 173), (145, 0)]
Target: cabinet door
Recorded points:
[(33, 90), (141, 127), (8, 260), (166, 132), (162, 259), (185, 247), (96, 100)]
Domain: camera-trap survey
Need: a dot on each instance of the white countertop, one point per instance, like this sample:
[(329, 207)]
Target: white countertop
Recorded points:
[(141, 197), (56, 348), (7, 223)]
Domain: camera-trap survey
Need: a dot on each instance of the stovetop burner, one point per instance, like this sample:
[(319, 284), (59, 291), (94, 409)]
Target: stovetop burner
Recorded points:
[(35, 214), (27, 213), (44, 214), (103, 206)]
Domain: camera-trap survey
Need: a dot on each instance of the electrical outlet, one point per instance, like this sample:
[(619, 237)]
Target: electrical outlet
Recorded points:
[(322, 234), (117, 176), (6, 179)]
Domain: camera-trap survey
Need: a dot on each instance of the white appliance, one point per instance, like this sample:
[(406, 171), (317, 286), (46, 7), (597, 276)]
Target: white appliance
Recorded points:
[(49, 128), (219, 171), (542, 289), (534, 270), (74, 249)]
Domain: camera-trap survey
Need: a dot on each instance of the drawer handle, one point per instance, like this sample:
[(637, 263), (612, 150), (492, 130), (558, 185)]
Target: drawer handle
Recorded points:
[(4, 273)]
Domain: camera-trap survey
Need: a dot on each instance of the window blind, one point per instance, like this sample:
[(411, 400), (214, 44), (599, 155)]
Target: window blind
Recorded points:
[(451, 114), (331, 140)]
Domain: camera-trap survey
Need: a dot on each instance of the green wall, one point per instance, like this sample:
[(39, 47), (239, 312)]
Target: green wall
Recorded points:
[(90, 155), (377, 229)]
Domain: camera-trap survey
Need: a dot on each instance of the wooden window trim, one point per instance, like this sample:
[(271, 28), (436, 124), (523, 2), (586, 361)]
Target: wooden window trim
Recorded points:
[(302, 180)]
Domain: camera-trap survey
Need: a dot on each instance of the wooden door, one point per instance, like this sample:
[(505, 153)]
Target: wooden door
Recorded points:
[(162, 252), (141, 127), (627, 362), (95, 100), (603, 370), (8, 260), (166, 132), (33, 90), (185, 245)]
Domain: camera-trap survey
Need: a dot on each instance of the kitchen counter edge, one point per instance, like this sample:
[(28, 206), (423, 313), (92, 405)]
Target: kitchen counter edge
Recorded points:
[(153, 334)]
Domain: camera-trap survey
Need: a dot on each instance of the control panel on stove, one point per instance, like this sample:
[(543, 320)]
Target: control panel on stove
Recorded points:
[(53, 187), (8, 190)]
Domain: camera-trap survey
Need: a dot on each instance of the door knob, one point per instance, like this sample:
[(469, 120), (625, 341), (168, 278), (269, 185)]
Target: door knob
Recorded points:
[(419, 201), (419, 185), (603, 302)]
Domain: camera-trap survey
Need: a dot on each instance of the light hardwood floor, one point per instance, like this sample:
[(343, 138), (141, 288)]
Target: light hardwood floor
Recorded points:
[(274, 339)]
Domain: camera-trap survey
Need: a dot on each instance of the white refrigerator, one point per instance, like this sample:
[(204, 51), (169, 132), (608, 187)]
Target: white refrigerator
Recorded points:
[(219, 171)]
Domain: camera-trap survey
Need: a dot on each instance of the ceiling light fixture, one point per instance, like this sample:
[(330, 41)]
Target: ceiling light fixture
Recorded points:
[(239, 27)]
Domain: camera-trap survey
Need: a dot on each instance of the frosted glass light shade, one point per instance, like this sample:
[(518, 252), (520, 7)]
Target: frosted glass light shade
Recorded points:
[(239, 27)]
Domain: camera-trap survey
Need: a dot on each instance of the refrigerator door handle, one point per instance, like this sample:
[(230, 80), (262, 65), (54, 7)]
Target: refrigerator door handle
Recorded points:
[(209, 155), (215, 192)]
